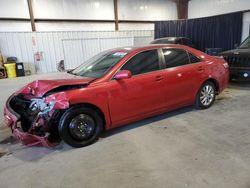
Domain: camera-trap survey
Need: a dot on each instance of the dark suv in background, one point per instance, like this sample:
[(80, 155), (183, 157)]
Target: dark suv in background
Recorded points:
[(239, 60)]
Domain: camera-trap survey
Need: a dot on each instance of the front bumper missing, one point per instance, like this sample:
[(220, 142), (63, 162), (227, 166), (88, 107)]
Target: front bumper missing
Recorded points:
[(12, 120)]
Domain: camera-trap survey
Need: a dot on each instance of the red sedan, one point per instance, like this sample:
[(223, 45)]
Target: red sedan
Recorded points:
[(111, 89)]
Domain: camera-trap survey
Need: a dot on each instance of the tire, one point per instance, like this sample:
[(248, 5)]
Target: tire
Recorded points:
[(205, 96), (80, 126)]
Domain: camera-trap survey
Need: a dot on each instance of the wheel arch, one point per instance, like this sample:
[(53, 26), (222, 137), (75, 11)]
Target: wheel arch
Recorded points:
[(198, 103), (216, 84), (94, 107)]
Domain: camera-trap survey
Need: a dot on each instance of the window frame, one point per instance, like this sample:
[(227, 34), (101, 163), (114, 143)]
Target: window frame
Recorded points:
[(161, 62), (187, 53), (194, 56)]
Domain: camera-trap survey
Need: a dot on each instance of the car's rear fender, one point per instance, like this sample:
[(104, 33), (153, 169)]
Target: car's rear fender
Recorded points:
[(216, 84)]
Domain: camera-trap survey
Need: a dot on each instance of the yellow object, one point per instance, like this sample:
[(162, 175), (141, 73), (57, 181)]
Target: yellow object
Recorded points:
[(11, 69)]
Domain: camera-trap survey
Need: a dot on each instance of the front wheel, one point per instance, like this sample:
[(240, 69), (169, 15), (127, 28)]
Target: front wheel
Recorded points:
[(206, 96), (80, 126)]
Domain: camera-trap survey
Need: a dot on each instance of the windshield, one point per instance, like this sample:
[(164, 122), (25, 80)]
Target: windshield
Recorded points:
[(98, 65), (246, 43)]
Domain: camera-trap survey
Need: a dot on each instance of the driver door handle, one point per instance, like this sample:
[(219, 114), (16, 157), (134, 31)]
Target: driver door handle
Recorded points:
[(200, 69), (159, 78)]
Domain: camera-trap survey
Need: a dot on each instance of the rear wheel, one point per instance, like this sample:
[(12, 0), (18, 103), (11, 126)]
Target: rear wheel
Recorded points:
[(80, 126), (206, 95)]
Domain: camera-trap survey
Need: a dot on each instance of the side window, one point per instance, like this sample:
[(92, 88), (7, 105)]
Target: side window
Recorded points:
[(193, 59), (175, 57), (143, 62)]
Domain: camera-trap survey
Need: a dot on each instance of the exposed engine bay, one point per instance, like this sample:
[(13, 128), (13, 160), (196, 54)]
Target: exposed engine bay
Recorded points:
[(33, 113), (39, 116)]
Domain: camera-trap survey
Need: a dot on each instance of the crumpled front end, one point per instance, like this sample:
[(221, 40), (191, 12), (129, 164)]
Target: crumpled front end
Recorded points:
[(34, 120)]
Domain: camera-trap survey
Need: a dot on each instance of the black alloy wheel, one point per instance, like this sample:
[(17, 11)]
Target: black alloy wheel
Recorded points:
[(80, 126)]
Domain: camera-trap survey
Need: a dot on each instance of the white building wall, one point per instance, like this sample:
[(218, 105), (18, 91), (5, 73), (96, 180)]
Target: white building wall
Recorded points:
[(147, 10), (246, 25), (104, 9), (203, 8), (74, 26), (74, 9), (15, 26), (85, 9), (14, 9), (41, 51), (136, 26), (68, 26)]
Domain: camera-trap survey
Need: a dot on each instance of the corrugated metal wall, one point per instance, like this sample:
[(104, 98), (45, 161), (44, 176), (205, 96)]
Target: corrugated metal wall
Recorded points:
[(42, 51)]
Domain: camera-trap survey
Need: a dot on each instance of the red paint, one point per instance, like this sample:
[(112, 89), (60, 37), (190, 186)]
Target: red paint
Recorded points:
[(31, 139), (61, 101), (40, 87), (123, 74), (126, 100)]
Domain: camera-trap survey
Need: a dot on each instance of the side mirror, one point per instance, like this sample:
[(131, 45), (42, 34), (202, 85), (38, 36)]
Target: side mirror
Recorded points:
[(123, 74)]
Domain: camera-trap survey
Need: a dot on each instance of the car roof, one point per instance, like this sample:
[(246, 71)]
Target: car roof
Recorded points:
[(172, 38), (147, 47)]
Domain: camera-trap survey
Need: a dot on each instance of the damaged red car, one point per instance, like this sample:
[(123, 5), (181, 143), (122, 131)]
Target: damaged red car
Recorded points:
[(112, 89)]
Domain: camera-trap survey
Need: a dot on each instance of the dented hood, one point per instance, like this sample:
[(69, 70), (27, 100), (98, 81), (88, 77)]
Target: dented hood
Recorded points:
[(40, 87)]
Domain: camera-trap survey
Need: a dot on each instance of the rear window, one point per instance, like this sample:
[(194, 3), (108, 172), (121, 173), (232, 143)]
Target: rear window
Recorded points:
[(175, 57)]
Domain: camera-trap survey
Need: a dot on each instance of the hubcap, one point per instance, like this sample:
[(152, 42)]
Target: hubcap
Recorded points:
[(82, 127), (207, 95)]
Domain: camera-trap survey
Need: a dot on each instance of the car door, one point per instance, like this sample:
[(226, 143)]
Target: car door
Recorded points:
[(142, 93), (181, 77)]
